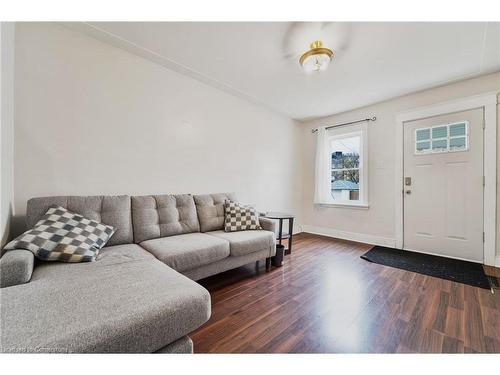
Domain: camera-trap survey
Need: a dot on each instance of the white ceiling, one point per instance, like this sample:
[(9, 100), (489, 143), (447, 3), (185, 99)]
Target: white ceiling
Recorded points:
[(258, 61)]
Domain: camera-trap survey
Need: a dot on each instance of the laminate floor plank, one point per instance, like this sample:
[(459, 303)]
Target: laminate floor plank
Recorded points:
[(326, 299)]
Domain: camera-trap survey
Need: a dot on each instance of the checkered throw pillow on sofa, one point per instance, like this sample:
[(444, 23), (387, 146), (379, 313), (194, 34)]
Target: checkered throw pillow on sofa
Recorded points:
[(238, 217), (64, 236)]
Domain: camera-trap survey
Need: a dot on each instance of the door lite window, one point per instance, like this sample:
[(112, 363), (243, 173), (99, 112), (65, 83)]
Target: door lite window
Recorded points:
[(442, 138)]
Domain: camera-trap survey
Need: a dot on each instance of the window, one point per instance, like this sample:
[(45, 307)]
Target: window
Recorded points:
[(442, 138), (344, 151), (341, 178)]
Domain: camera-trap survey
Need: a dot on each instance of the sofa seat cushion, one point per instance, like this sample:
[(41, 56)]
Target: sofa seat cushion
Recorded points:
[(139, 305), (245, 242), (188, 251), (108, 257), (122, 253)]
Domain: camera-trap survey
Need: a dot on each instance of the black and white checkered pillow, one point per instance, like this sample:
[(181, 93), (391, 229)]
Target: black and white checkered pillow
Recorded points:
[(64, 236), (238, 217)]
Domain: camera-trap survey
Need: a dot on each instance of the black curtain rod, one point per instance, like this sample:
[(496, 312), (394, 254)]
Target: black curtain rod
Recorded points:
[(347, 123)]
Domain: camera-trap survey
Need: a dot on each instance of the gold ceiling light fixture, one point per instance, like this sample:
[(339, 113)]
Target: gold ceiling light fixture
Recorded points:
[(317, 58)]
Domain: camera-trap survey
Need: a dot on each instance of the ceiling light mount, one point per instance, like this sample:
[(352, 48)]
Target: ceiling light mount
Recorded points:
[(317, 58)]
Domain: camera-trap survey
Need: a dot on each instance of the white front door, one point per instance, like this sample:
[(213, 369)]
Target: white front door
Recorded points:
[(443, 186)]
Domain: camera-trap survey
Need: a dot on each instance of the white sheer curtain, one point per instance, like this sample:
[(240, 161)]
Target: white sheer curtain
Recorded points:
[(323, 167)]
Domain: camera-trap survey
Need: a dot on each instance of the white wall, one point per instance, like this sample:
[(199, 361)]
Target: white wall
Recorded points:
[(378, 223), (94, 119), (7, 128)]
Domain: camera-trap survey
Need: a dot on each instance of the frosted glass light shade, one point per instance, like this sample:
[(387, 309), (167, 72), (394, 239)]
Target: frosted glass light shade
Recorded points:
[(317, 58), (316, 63)]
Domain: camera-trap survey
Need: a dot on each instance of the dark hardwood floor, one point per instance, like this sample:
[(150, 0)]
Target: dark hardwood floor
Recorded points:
[(325, 299)]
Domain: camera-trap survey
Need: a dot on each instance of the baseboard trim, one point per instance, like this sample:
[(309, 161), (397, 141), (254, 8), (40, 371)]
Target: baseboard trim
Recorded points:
[(350, 236)]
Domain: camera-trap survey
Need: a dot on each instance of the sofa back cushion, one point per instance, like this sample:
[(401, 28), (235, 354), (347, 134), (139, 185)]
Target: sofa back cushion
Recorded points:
[(157, 216), (210, 208), (107, 209)]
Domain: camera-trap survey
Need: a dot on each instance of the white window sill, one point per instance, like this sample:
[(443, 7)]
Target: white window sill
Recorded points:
[(358, 206)]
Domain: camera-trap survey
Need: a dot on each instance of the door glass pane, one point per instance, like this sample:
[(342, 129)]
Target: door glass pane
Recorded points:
[(457, 143), (422, 146), (457, 129), (423, 134), (440, 132), (440, 145)]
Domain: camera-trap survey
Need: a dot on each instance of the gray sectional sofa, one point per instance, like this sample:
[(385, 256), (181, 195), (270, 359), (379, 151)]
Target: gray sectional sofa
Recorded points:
[(140, 294)]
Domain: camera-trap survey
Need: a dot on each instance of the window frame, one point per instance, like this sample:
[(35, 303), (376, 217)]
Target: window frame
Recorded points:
[(343, 132)]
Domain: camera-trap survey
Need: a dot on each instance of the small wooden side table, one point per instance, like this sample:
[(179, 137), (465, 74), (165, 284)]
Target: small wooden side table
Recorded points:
[(280, 217)]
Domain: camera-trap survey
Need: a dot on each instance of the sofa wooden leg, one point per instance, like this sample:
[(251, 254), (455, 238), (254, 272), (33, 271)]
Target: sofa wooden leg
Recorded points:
[(268, 264)]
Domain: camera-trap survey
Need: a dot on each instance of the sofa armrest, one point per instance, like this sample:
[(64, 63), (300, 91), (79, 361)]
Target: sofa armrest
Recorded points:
[(16, 267), (268, 224)]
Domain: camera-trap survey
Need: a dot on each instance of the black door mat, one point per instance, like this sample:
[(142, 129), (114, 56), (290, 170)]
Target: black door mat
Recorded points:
[(456, 270)]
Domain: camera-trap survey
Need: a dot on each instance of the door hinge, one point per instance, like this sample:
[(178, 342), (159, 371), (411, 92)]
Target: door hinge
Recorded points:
[(484, 123), (483, 237), (484, 180)]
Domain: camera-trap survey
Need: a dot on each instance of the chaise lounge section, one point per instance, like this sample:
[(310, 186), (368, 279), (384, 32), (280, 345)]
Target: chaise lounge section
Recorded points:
[(140, 295)]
